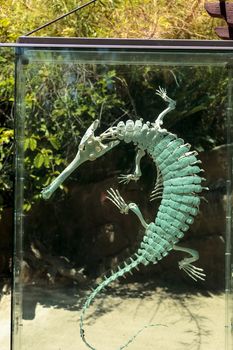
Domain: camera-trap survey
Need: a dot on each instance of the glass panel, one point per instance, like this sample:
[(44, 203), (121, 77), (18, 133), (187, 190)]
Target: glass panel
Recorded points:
[(70, 235), (7, 62)]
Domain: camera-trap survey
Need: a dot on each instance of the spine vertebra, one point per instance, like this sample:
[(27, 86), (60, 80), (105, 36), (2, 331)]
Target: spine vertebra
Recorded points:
[(106, 281)]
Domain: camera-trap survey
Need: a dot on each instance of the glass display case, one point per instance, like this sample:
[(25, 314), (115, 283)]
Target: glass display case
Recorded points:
[(7, 63), (96, 104)]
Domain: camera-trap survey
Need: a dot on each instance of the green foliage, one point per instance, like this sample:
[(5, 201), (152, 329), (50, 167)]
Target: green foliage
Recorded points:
[(18, 18), (115, 18), (57, 115), (59, 110), (159, 19), (6, 126)]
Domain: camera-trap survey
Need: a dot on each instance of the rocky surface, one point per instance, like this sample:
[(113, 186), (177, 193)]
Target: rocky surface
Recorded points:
[(87, 230)]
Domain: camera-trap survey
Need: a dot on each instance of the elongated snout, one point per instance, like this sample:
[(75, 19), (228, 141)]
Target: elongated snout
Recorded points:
[(90, 149), (49, 190)]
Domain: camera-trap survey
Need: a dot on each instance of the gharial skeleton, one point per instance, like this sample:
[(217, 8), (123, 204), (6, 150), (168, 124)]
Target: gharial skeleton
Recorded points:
[(178, 185)]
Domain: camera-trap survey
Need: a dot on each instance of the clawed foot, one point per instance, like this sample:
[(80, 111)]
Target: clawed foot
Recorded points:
[(125, 179), (193, 271), (163, 94), (115, 198)]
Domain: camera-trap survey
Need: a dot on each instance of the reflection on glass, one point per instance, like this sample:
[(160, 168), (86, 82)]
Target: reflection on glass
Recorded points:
[(67, 243)]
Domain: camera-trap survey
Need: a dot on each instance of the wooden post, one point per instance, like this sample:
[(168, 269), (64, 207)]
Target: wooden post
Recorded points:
[(222, 9)]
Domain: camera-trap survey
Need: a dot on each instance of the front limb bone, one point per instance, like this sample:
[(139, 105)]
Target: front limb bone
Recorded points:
[(118, 201), (137, 173), (115, 198), (171, 105)]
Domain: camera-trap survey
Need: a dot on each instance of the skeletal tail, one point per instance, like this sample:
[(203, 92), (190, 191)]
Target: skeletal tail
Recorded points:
[(121, 271)]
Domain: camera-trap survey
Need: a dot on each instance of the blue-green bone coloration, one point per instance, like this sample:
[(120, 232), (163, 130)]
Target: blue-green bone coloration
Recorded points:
[(178, 185)]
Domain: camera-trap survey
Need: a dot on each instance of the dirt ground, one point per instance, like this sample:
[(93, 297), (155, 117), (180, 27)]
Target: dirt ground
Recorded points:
[(180, 320)]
